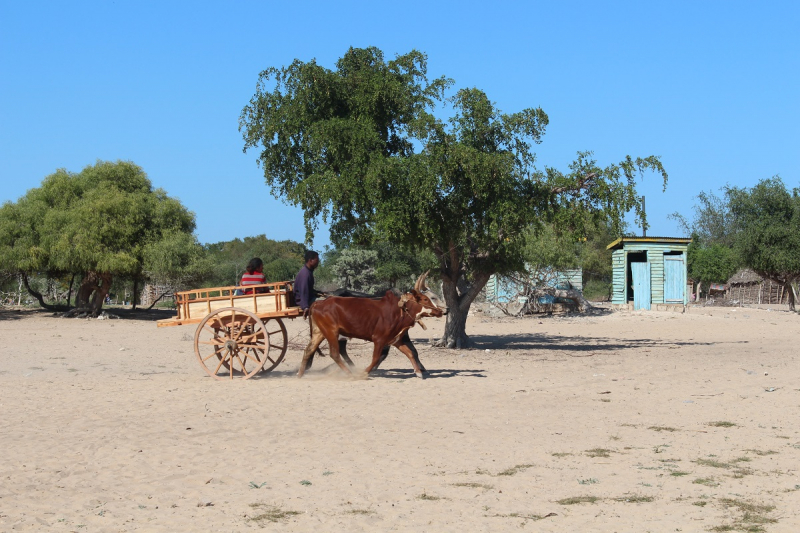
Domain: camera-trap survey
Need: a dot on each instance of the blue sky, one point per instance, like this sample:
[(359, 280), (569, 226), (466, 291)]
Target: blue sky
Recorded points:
[(711, 87)]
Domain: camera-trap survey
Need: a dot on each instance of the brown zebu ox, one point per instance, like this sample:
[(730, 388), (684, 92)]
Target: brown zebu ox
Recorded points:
[(383, 321)]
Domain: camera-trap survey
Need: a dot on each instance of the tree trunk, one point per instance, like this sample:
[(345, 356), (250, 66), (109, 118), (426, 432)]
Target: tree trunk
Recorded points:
[(40, 298), (135, 289), (157, 299), (92, 293), (69, 294), (459, 295), (790, 291)]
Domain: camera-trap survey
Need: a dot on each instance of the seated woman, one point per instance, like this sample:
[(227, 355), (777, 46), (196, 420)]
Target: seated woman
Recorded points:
[(254, 275)]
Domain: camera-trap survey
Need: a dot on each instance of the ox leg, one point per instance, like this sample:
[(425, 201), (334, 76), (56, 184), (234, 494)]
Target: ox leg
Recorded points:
[(384, 355), (343, 352), (333, 344), (376, 357), (308, 354), (410, 350)]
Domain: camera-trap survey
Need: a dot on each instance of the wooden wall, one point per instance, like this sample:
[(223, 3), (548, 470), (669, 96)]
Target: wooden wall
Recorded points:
[(655, 256)]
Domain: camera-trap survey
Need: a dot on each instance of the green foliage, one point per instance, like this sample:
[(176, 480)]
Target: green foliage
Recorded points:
[(711, 257), (374, 268), (711, 263), (758, 228), (548, 251), (713, 221), (106, 219), (227, 259), (767, 221), (361, 147)]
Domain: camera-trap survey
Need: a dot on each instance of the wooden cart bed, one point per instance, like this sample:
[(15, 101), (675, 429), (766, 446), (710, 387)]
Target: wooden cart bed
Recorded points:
[(194, 305)]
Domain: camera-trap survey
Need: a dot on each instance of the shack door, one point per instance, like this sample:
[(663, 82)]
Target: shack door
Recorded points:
[(674, 282), (641, 285)]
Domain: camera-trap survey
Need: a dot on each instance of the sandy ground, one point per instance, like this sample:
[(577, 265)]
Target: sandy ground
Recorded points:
[(628, 421)]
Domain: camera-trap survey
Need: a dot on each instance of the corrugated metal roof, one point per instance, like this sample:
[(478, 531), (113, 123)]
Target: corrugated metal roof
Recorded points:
[(619, 242)]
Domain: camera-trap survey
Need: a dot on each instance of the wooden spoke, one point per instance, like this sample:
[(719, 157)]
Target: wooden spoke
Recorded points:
[(221, 360), (275, 339), (239, 332)]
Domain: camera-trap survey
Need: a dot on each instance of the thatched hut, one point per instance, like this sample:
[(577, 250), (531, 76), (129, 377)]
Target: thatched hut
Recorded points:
[(747, 287)]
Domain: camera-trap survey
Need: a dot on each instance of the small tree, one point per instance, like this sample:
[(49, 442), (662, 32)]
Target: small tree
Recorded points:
[(767, 224), (361, 147)]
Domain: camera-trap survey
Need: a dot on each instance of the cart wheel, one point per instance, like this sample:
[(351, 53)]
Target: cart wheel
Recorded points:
[(230, 342), (278, 341)]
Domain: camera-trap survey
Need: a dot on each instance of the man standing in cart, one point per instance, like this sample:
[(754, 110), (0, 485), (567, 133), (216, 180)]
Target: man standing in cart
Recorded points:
[(304, 292)]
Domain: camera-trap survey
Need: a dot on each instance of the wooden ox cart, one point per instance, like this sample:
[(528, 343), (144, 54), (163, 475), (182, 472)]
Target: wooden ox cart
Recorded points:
[(238, 335)]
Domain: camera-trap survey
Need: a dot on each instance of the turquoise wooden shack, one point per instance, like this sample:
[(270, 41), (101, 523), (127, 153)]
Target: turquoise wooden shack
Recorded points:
[(649, 272)]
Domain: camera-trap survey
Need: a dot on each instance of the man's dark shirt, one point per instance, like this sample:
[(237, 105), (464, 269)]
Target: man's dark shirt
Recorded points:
[(304, 293)]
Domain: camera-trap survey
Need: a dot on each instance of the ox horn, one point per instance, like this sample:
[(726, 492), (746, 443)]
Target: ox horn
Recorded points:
[(421, 282)]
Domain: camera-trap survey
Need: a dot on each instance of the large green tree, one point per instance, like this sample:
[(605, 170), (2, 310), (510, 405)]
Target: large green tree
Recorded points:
[(102, 222), (766, 220), (360, 147)]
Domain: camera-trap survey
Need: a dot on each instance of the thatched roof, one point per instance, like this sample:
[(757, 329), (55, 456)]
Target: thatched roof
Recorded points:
[(745, 277)]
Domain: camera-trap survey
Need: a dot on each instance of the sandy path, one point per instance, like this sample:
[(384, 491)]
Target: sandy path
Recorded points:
[(622, 422)]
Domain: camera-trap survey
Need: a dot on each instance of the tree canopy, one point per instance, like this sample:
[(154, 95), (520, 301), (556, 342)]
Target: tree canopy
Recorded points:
[(767, 226), (711, 257), (361, 147), (104, 221)]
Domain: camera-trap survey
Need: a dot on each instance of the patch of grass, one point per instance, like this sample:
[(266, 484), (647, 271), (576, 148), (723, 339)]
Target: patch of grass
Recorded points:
[(327, 473), (700, 504), (634, 498), (305, 482), (578, 499), (590, 481), (739, 473), (707, 481), (663, 428), (270, 513), (752, 518), (598, 452), (761, 453), (360, 511), (524, 517), (473, 485), (747, 507), (428, 497), (713, 463), (721, 424), (560, 454), (514, 470), (678, 473)]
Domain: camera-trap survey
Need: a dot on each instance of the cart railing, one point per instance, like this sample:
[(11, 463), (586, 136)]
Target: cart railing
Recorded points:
[(267, 300)]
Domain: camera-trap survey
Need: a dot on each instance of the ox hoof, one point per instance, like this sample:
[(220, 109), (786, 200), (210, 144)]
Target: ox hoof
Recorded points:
[(420, 375)]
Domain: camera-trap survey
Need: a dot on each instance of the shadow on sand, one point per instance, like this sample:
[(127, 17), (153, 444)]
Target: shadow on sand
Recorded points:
[(115, 314), (564, 343)]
